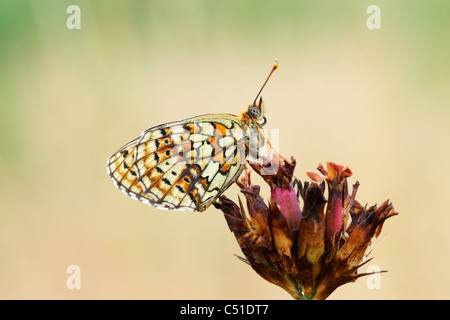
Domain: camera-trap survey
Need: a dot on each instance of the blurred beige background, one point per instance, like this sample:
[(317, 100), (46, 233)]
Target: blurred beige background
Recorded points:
[(374, 100)]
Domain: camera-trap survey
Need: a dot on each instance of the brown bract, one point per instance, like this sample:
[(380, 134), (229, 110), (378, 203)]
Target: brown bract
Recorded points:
[(311, 237)]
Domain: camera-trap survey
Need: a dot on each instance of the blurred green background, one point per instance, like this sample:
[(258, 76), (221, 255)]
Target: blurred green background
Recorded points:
[(374, 100)]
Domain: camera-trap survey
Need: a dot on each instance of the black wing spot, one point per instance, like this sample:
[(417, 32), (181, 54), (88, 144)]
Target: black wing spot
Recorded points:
[(167, 152), (174, 173), (186, 180), (124, 153), (166, 181), (133, 173), (126, 166), (187, 128), (180, 189), (157, 143), (159, 170)]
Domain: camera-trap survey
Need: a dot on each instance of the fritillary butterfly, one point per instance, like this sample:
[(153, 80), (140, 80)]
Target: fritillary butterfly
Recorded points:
[(188, 164)]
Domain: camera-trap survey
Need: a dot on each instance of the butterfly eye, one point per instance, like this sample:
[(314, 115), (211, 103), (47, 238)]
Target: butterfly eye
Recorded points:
[(254, 112)]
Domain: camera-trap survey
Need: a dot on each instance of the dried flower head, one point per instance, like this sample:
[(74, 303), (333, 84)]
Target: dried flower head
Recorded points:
[(308, 251)]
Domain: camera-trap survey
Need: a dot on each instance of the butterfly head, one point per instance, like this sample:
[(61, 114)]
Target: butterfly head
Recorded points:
[(256, 112)]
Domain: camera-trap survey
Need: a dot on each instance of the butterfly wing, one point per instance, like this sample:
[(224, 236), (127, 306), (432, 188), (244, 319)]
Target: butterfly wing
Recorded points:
[(182, 165)]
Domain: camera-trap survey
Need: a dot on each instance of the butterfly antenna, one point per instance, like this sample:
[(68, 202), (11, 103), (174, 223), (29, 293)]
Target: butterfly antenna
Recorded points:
[(275, 65)]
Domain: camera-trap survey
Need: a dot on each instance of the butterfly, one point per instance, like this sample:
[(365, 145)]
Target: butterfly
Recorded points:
[(188, 164)]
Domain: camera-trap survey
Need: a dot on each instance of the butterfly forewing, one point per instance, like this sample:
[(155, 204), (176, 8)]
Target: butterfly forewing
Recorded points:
[(182, 165)]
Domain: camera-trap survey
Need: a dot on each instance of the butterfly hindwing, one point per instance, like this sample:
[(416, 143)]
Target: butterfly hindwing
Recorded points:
[(182, 165)]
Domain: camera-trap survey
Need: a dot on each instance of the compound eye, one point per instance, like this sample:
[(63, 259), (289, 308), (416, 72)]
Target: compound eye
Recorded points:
[(254, 112)]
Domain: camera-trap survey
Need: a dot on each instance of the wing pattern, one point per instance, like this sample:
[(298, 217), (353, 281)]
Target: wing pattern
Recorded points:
[(182, 165)]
